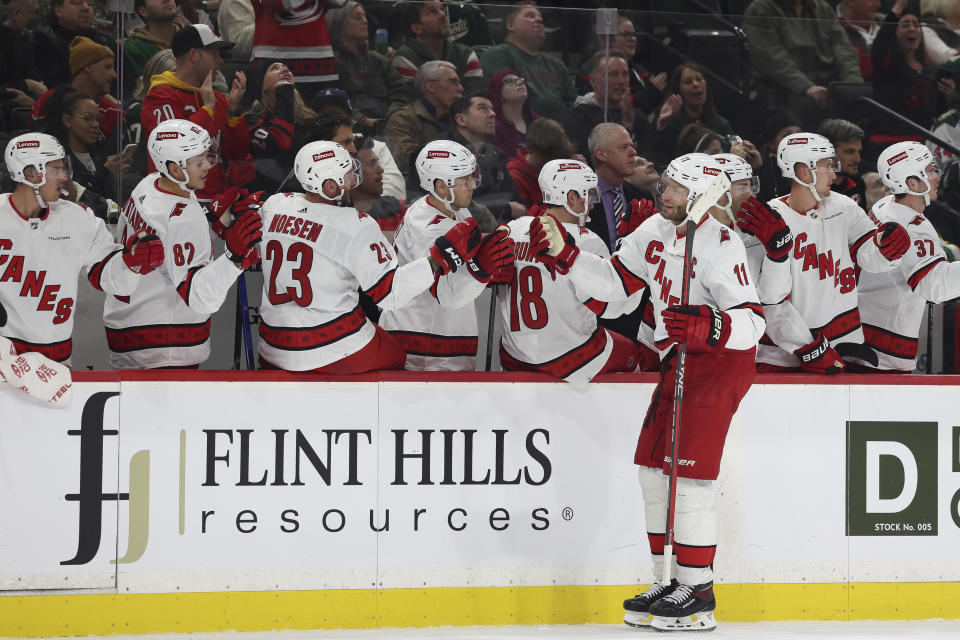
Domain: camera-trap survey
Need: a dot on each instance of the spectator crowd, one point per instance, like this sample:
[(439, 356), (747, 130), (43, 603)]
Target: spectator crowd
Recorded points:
[(515, 87)]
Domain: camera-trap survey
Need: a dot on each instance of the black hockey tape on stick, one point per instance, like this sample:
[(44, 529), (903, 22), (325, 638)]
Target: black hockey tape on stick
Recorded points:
[(856, 350), (3, 315)]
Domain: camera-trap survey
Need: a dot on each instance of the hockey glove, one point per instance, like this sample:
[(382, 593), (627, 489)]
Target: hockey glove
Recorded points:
[(218, 206), (552, 245), (702, 327), (242, 238), (494, 259), (819, 357), (456, 246), (639, 211), (770, 229), (143, 253), (893, 240), (248, 201)]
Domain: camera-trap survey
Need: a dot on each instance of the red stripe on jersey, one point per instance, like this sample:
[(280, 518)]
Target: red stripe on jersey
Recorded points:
[(693, 556), (96, 271), (596, 306), (855, 247), (630, 281), (380, 290), (890, 343), (406, 72), (657, 542), (184, 287), (563, 365), (431, 344), (840, 326), (304, 338), (648, 318), (153, 336), (57, 351), (922, 272)]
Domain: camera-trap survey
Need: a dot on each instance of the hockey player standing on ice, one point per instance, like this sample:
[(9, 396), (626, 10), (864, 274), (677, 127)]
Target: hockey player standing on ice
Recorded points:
[(46, 241), (721, 327), (318, 252), (165, 322), (892, 303), (438, 329), (818, 327), (548, 325)]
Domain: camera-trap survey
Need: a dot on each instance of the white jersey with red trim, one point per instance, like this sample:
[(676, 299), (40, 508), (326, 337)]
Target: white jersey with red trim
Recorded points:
[(653, 256), (166, 321), (439, 327), (548, 325), (40, 259), (315, 258), (823, 294), (892, 304)]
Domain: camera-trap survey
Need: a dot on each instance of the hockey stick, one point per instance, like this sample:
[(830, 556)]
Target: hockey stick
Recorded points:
[(709, 198), (491, 320)]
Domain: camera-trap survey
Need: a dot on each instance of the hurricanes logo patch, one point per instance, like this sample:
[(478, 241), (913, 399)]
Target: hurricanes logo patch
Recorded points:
[(917, 220)]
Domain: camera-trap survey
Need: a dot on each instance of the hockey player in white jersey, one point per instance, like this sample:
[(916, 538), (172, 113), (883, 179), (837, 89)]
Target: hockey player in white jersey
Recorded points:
[(439, 327), (548, 326), (818, 327), (45, 242), (319, 252), (892, 303), (166, 321), (721, 327)]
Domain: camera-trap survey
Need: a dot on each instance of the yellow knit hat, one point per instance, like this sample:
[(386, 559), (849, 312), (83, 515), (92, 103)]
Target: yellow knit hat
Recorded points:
[(84, 52)]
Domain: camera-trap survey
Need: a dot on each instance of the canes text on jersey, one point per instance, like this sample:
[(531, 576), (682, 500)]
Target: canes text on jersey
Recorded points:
[(33, 283)]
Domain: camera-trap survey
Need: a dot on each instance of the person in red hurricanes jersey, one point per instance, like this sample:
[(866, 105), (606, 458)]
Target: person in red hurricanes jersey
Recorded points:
[(318, 253), (548, 325), (165, 322), (187, 93), (720, 326), (892, 303), (45, 241)]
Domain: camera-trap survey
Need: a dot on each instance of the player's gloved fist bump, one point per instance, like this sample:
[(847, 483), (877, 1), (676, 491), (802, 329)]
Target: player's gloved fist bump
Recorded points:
[(819, 357), (242, 238), (494, 258), (218, 206), (769, 228), (552, 245), (702, 327), (248, 201), (893, 240), (456, 246), (633, 217), (143, 253)]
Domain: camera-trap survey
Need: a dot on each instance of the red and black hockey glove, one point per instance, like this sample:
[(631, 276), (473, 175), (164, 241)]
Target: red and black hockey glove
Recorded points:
[(702, 327), (456, 246), (143, 253), (248, 201), (242, 238), (548, 238), (494, 259), (819, 357), (218, 206), (893, 240), (770, 229), (633, 217)]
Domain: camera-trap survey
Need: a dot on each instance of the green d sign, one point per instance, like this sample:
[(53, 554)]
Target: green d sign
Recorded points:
[(891, 478)]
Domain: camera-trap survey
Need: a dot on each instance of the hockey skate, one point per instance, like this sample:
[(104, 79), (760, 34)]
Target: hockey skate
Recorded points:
[(638, 607), (687, 608)]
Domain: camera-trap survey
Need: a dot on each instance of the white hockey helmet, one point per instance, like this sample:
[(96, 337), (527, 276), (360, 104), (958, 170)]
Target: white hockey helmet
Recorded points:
[(323, 160), (807, 149), (738, 169), (560, 177), (907, 160), (32, 150), (695, 172), (445, 160), (177, 141)]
